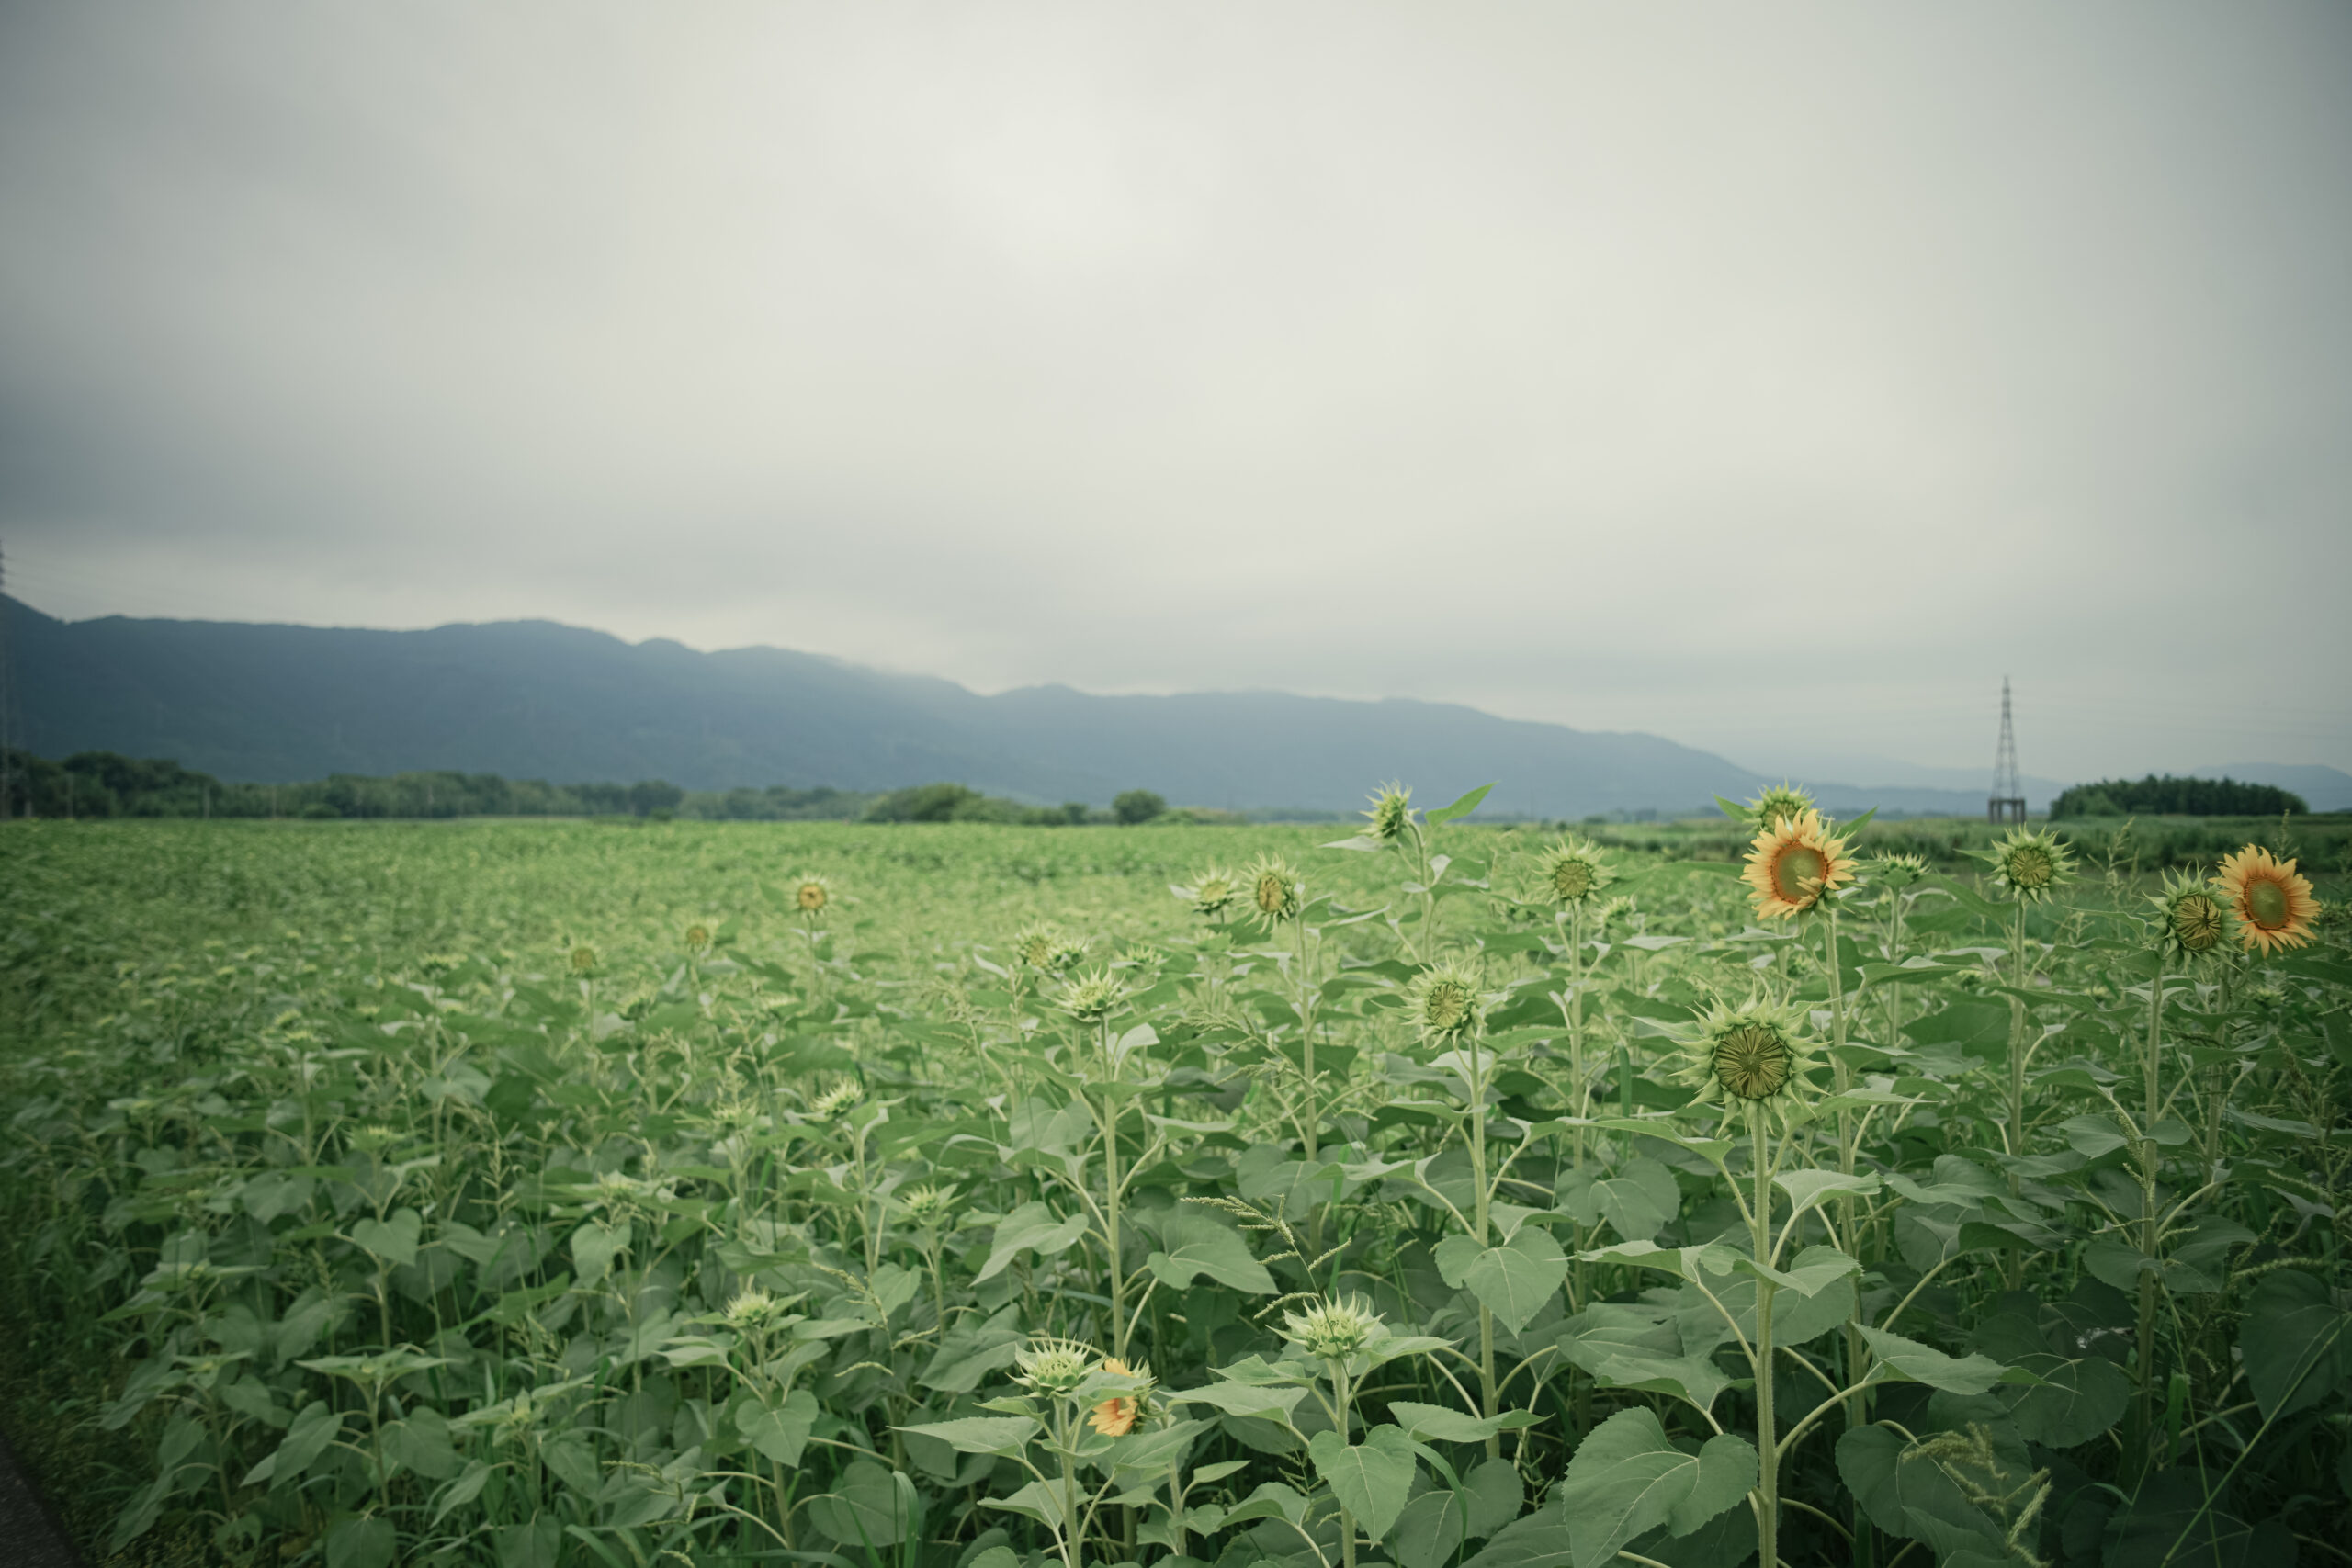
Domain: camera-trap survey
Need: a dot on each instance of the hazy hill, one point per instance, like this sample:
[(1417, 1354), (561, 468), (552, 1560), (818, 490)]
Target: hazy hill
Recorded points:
[(532, 699)]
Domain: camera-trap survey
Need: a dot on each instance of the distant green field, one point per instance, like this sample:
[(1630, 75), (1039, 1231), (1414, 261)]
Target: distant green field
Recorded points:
[(537, 1193)]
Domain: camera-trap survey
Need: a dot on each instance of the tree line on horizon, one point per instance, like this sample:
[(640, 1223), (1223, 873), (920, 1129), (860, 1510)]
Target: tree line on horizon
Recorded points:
[(2161, 794), (107, 784)]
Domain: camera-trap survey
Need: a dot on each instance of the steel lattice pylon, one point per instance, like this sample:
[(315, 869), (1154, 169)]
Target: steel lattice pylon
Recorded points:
[(2007, 801)]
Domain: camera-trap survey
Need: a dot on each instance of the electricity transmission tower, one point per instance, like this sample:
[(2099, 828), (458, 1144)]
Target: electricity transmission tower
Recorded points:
[(2007, 802)]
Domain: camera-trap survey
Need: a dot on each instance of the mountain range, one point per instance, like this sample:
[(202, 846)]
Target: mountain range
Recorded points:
[(534, 699)]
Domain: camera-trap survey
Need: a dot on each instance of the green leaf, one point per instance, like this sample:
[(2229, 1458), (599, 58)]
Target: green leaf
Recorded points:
[(1242, 1399), (394, 1240), (1628, 1477), (1817, 1271), (1460, 809), (367, 1542), (594, 1246), (980, 1434), (1807, 1187), (1032, 1227), (1639, 1200), (778, 1431), (1515, 1279), (1199, 1245), (2294, 1343), (1371, 1479), (870, 1505), (313, 1429), (2075, 1401), (1435, 1422), (1907, 1360), (422, 1443), (973, 1350)]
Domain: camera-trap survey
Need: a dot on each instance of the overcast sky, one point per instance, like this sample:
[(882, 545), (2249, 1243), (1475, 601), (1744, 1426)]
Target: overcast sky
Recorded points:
[(1771, 377)]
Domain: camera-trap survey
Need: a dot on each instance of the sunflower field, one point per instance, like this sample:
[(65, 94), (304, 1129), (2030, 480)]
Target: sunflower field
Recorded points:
[(965, 1196)]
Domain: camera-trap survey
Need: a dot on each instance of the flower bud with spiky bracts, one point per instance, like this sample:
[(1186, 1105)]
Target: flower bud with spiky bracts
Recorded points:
[(1090, 998), (1782, 803), (1442, 1002), (929, 1205), (2031, 863), (752, 1309), (1035, 945), (1391, 813), (583, 960), (1212, 893), (697, 939), (1273, 890), (1334, 1330), (2190, 916), (1055, 1367), (1749, 1055), (1898, 871), (832, 1101), (1572, 871), (811, 893)]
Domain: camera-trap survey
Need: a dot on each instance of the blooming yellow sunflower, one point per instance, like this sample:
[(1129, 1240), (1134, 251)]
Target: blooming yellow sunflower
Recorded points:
[(1745, 1054), (2273, 904), (1115, 1416), (1791, 865)]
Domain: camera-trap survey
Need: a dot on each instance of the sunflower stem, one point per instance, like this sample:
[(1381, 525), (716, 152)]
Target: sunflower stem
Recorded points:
[(2013, 1263), (2143, 1416), (1768, 1477)]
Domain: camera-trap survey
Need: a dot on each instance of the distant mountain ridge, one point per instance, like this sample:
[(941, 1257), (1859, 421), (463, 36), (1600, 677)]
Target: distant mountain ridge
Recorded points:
[(534, 699)]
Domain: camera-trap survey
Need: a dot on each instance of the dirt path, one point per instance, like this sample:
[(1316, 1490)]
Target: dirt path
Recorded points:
[(30, 1536)]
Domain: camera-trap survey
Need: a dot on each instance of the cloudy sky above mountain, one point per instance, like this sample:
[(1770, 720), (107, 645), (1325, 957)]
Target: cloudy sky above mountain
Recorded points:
[(1774, 378)]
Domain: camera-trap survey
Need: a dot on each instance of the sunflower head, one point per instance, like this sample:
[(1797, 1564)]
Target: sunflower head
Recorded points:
[(1391, 813), (2273, 904), (1442, 1002), (1782, 802), (1572, 871), (811, 893), (1115, 1416), (1898, 871), (1750, 1054), (583, 960), (752, 1309), (1334, 1330), (1055, 1367), (697, 939), (1090, 998), (1793, 866), (1034, 944), (2189, 916), (1212, 893), (2031, 863), (832, 1101), (1273, 890), (928, 1205)]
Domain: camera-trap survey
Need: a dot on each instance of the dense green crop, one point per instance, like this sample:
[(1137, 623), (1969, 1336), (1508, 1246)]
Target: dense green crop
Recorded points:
[(560, 1194)]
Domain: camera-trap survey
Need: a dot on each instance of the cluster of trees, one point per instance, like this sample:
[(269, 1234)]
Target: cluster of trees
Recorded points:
[(101, 783), (2164, 795)]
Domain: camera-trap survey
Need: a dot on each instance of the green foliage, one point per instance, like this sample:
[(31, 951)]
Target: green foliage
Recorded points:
[(2163, 794), (345, 1216), (1134, 805)]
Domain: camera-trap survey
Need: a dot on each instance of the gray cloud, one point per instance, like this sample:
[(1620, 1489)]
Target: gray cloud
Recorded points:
[(1775, 380)]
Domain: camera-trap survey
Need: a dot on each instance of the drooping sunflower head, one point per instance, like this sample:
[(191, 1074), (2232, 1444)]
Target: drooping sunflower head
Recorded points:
[(583, 960), (1334, 1330), (1115, 1416), (1574, 871), (2272, 902), (1054, 1368), (1898, 871), (811, 893), (2032, 863), (1273, 890), (1090, 998), (697, 939), (2189, 916), (1782, 803), (1391, 813), (1794, 865), (1443, 1001), (1749, 1053), (1212, 893)]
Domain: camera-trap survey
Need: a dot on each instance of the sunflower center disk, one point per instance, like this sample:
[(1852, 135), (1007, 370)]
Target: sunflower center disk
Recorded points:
[(1752, 1064), (1797, 875), (2266, 901)]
